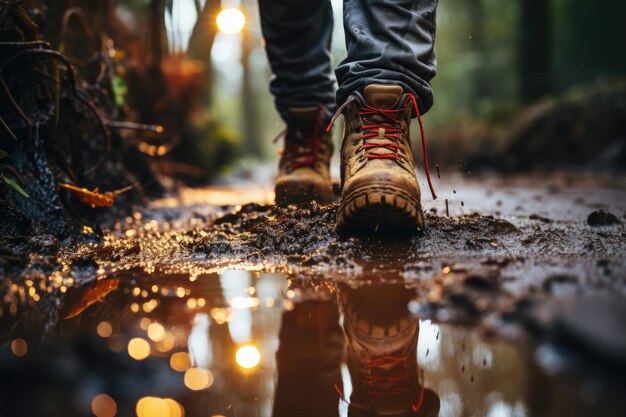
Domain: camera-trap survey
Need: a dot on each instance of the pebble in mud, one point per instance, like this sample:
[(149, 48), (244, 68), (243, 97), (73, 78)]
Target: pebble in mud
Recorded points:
[(602, 218)]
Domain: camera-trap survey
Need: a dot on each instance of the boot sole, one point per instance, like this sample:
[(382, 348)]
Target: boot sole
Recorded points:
[(299, 193), (380, 208)]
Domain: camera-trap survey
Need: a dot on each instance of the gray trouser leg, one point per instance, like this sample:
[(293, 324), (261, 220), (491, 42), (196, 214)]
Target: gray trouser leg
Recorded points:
[(389, 42), (297, 35)]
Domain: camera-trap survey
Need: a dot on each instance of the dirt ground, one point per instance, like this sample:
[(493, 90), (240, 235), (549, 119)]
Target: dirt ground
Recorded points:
[(538, 260), (492, 245)]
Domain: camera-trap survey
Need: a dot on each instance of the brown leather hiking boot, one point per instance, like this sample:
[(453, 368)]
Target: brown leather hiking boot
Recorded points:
[(382, 354), (379, 187), (304, 168)]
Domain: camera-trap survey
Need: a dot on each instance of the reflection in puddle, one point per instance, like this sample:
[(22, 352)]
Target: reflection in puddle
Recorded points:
[(249, 344)]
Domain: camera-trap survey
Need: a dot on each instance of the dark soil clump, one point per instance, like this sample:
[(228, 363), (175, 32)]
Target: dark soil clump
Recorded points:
[(601, 218)]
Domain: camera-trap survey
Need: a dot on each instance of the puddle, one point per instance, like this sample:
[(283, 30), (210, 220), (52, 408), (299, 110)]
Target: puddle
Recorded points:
[(259, 344), (141, 319)]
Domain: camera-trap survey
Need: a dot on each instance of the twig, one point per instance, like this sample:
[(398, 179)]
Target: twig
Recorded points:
[(23, 115), (69, 13), (107, 136), (77, 93), (9, 5), (8, 129), (119, 124), (26, 44)]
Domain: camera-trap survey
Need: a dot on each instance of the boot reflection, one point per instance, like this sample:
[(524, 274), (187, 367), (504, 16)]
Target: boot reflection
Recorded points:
[(382, 353), (309, 356)]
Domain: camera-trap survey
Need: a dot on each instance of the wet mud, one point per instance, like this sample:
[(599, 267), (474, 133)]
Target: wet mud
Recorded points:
[(536, 285)]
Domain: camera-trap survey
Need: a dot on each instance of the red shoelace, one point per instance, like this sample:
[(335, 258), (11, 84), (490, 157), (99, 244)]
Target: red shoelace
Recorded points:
[(391, 132), (301, 144)]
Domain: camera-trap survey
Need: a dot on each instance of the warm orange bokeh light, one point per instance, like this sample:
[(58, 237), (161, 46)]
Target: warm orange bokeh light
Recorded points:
[(180, 362), (176, 410), (159, 407), (103, 406), (104, 329), (19, 347), (197, 379), (156, 331), (138, 348), (152, 407)]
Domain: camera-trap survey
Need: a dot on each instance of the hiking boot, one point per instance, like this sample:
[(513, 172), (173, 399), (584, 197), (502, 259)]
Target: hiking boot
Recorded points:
[(304, 167), (379, 187), (382, 354)]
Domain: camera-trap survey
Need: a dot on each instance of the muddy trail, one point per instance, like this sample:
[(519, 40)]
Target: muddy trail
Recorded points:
[(217, 302)]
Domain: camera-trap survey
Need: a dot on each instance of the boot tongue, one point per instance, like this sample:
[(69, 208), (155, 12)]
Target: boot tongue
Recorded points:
[(303, 115), (383, 96)]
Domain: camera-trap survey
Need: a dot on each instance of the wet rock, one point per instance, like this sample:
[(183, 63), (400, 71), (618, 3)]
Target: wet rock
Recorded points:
[(602, 217)]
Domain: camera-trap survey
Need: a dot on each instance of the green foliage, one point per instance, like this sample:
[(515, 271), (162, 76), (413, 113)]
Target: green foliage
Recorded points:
[(216, 144), (9, 181), (119, 90), (14, 185)]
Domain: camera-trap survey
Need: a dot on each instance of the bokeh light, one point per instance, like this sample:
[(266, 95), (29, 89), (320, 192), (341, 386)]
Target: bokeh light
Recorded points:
[(220, 315), (167, 343), (230, 20), (156, 331), (104, 329), (152, 407), (103, 406), (19, 347), (248, 356), (180, 362), (144, 323), (197, 379), (138, 348), (176, 410)]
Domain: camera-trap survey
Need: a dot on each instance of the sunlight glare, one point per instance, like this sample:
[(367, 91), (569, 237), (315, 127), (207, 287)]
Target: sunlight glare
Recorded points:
[(248, 356), (230, 20)]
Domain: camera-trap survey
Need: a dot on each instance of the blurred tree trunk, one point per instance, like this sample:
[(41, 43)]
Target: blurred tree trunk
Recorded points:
[(534, 49), (158, 35), (249, 103), (481, 77), (202, 37)]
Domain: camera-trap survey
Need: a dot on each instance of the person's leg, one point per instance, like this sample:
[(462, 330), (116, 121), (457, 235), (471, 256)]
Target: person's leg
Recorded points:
[(383, 83), (389, 42), (297, 35), (309, 357)]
